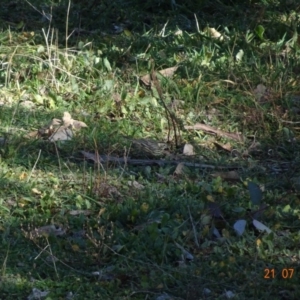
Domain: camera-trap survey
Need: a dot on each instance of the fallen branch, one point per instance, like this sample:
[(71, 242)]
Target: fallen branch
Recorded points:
[(151, 162), (210, 130)]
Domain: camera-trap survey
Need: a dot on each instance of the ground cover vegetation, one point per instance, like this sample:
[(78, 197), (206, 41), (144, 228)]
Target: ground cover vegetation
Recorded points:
[(149, 149)]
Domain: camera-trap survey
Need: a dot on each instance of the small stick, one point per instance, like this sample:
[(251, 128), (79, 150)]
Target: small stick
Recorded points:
[(34, 165), (194, 228)]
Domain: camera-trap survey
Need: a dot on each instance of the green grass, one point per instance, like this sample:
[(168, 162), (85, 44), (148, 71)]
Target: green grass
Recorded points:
[(116, 231)]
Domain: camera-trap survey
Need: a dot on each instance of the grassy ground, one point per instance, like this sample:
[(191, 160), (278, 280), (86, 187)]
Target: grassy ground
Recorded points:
[(75, 229)]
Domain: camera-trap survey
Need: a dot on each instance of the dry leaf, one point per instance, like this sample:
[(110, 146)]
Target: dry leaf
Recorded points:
[(32, 134), (69, 122), (101, 211), (36, 191), (179, 169), (146, 80), (67, 119), (178, 32), (214, 33), (47, 130), (136, 185), (28, 104), (78, 124), (188, 150), (54, 122), (60, 130), (23, 176), (168, 72), (226, 147), (62, 134)]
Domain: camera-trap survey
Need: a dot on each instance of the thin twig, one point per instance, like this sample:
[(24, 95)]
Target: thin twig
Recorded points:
[(289, 122), (157, 162), (52, 258), (194, 228), (170, 117), (41, 252), (56, 151), (67, 23), (34, 165)]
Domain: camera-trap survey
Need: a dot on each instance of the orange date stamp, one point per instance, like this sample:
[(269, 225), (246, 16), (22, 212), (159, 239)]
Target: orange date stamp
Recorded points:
[(284, 273)]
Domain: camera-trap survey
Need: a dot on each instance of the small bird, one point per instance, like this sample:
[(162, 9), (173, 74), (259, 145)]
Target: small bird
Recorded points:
[(148, 148)]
